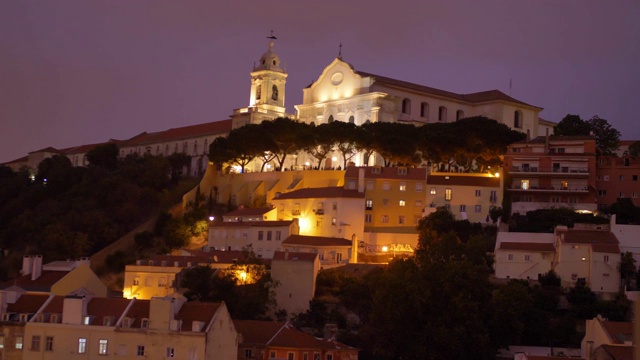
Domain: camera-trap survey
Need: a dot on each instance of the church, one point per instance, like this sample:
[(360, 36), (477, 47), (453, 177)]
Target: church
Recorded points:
[(340, 93)]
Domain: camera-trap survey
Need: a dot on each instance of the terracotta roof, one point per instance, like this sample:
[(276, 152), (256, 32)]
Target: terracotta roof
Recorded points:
[(47, 149), (315, 241), (457, 180), (19, 160), (211, 128), (43, 283), (530, 246), (378, 172), (272, 223), (294, 256), (27, 303), (600, 241), (199, 258), (100, 307), (257, 332), (86, 148), (535, 357), (139, 310), (477, 97), (196, 311), (249, 211), (618, 352), (618, 331), (55, 305), (323, 192)]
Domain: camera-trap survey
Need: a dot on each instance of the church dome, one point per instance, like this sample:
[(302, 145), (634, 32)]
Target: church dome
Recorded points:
[(269, 60)]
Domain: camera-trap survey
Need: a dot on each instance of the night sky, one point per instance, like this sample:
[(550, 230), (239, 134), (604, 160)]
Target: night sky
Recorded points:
[(80, 72)]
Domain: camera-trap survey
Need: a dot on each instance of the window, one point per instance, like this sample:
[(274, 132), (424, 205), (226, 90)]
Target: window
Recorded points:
[(524, 184), (478, 193), (368, 204), (459, 115), (406, 106), (272, 354), (634, 195), (144, 323), (621, 177), (403, 186), (447, 194), (602, 192), (334, 221), (463, 208), (296, 209), (48, 345), (401, 203), (147, 282), (447, 206), (35, 343), (401, 220), (626, 162), (278, 235), (248, 353), (334, 206), (386, 186), (416, 219), (424, 110), (418, 203), (510, 257), (329, 356), (621, 194), (385, 219), (418, 187), (442, 113), (493, 197), (171, 352), (478, 208), (330, 120), (274, 93), (606, 258), (527, 258), (1, 341), (352, 120), (634, 177), (605, 177), (517, 119), (305, 356), (19, 342), (402, 171), (432, 191), (269, 235), (260, 235), (290, 356), (564, 185), (385, 202), (369, 185), (103, 346), (316, 356), (258, 92), (367, 218)]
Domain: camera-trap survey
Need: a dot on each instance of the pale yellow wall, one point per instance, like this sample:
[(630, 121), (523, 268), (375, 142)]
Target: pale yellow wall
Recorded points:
[(222, 237), (80, 277), (65, 341), (570, 262), (519, 267), (297, 281), (222, 338), (148, 281), (414, 202), (593, 332), (10, 332), (605, 276)]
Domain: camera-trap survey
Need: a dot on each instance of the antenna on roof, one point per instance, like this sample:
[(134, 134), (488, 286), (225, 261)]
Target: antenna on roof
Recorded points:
[(271, 36), (340, 51)]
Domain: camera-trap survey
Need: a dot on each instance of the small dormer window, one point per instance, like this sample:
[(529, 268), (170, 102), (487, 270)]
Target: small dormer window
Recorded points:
[(24, 317), (54, 318), (144, 323), (402, 171), (107, 321), (87, 320), (127, 322)]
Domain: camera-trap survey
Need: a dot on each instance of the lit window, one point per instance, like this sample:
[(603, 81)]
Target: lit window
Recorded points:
[(432, 191), (401, 203), (524, 184), (447, 194), (368, 204), (102, 347), (334, 221), (19, 342), (403, 186), (136, 280), (1, 341)]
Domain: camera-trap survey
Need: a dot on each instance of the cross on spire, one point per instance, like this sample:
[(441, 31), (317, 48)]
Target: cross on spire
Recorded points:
[(340, 51), (271, 36)]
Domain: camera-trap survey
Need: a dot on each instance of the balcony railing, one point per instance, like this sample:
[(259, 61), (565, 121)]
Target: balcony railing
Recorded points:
[(561, 169), (534, 188), (295, 212)]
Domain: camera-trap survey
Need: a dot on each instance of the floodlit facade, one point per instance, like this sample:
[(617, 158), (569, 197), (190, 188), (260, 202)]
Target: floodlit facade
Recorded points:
[(296, 274), (264, 237), (523, 255)]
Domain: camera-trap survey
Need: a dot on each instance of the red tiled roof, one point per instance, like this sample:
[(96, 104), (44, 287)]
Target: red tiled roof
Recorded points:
[(86, 148), (323, 192), (529, 246), (536, 357), (43, 283), (47, 149), (249, 211), (100, 308), (196, 311), (257, 332), (273, 223), (138, 311), (211, 128), (618, 331), (618, 352), (463, 180), (483, 96), (28, 303), (386, 173), (600, 241), (294, 256), (315, 241), (55, 305), (225, 256), (19, 160)]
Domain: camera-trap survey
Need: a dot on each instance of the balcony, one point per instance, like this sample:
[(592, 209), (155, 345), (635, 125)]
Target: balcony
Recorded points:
[(565, 170), (319, 212), (295, 212)]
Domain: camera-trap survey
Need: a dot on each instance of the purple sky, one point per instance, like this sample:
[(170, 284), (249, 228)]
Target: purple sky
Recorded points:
[(84, 71)]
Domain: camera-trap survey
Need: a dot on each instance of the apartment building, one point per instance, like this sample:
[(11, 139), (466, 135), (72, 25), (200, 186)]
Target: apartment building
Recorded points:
[(617, 178), (552, 171)]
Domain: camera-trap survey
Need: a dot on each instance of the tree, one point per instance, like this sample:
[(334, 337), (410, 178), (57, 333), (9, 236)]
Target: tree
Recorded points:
[(177, 162), (105, 156), (322, 145), (572, 125), (607, 137), (628, 269), (288, 136), (634, 149)]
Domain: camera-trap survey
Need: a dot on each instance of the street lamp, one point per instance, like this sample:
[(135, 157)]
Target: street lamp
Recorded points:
[(211, 218)]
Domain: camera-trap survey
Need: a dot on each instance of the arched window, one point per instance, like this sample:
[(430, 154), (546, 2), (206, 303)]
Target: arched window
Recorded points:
[(424, 110), (406, 106), (274, 92), (330, 120), (352, 119), (459, 115), (517, 119), (442, 113), (258, 91)]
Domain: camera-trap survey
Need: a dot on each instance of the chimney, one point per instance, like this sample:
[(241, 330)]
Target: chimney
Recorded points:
[(361, 179), (74, 309), (589, 350), (36, 267), (27, 262)]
